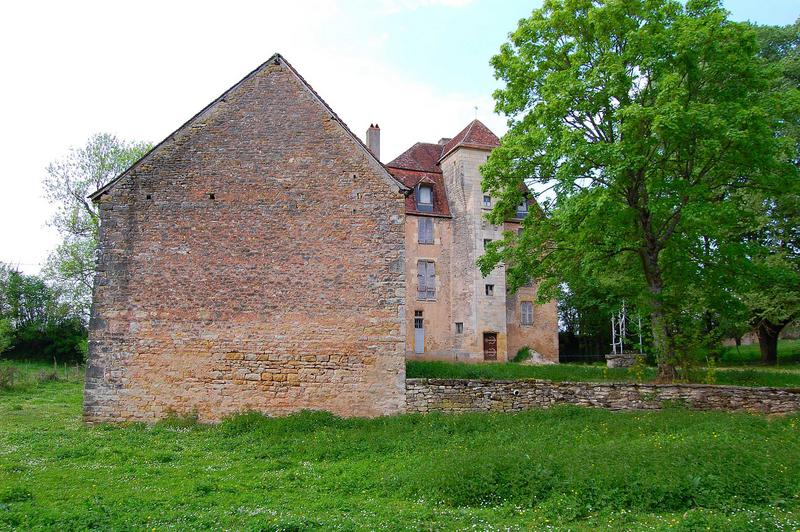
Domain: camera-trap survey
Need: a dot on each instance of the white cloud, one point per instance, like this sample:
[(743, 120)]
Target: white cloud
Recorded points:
[(76, 69), (397, 6)]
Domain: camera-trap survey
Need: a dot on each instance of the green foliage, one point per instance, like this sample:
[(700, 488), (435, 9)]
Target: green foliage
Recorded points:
[(617, 470), (6, 335), (648, 120), (522, 355), (36, 322), (68, 183), (789, 377)]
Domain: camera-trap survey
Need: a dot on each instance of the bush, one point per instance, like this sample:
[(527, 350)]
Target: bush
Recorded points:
[(522, 355), (8, 375)]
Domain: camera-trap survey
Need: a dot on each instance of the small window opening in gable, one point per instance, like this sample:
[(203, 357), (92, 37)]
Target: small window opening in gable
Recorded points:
[(487, 201), (489, 289), (425, 231), (424, 197), (522, 209), (459, 327)]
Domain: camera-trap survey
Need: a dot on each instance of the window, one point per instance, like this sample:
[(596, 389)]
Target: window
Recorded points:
[(489, 289), (487, 201), (418, 319), (425, 198), (425, 231), (526, 313), (426, 280), (522, 209), (459, 327), (486, 242)]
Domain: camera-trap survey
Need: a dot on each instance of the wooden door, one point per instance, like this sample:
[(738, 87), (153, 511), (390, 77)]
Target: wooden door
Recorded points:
[(419, 332), (490, 346)]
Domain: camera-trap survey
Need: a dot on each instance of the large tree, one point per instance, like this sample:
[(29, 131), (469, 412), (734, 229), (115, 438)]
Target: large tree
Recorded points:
[(772, 288), (645, 118), (68, 183)]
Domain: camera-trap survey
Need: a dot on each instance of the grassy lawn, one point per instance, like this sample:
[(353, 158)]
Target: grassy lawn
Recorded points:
[(788, 353), (781, 377), (563, 468)]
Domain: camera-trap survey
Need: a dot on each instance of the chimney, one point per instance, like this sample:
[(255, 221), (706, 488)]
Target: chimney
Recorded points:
[(374, 140)]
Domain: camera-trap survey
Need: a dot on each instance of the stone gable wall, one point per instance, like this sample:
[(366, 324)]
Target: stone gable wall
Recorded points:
[(284, 292), (459, 396)]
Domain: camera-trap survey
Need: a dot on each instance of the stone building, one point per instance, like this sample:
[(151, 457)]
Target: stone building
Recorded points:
[(253, 260), (452, 311), (262, 258)]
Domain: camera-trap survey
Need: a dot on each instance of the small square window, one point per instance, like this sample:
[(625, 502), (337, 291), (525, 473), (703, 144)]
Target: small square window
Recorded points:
[(489, 289), (417, 313), (459, 327), (487, 201), (486, 242)]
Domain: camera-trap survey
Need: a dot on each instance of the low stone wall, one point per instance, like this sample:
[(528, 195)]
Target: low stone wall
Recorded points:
[(450, 395)]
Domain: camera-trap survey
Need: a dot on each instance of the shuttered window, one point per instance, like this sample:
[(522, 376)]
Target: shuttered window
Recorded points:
[(526, 313), (425, 235), (426, 280)]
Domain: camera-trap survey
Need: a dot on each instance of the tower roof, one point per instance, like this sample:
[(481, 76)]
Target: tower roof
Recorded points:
[(475, 135)]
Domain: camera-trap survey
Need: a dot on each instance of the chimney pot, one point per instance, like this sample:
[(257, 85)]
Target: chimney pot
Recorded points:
[(374, 140)]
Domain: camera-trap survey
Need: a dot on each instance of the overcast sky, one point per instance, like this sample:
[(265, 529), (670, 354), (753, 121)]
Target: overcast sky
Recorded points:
[(140, 69)]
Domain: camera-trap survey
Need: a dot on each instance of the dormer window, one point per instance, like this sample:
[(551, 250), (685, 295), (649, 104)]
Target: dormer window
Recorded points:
[(425, 197), (522, 209)]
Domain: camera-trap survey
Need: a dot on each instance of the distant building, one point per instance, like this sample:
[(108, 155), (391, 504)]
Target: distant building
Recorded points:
[(452, 311)]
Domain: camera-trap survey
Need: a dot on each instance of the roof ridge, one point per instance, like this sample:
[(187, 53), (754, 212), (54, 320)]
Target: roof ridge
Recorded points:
[(276, 59)]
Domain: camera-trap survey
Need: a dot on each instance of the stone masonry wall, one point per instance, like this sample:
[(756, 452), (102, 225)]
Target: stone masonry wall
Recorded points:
[(458, 396), (283, 291)]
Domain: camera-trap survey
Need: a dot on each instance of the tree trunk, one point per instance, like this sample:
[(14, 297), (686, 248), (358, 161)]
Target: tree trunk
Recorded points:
[(662, 335), (768, 341)]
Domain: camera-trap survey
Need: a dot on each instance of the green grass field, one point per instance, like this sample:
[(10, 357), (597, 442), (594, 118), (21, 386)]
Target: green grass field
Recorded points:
[(786, 376), (745, 355), (563, 468)]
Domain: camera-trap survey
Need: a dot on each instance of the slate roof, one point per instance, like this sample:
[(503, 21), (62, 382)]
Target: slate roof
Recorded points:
[(421, 162)]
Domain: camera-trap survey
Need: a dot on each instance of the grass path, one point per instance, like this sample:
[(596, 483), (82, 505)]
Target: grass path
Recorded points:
[(564, 468)]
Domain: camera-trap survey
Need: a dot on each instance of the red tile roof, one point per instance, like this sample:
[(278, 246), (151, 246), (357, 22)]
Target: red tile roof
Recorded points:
[(422, 156), (475, 135), (421, 161), (410, 178)]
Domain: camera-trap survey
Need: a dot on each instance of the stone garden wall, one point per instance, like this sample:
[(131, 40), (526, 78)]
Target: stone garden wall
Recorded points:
[(450, 395)]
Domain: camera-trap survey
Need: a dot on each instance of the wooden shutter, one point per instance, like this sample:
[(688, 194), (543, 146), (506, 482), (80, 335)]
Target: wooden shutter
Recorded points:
[(526, 312), (421, 273), (425, 231), (431, 284)]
